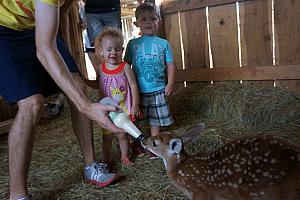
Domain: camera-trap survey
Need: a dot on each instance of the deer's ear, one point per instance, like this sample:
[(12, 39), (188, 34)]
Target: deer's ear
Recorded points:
[(175, 145), (192, 133)]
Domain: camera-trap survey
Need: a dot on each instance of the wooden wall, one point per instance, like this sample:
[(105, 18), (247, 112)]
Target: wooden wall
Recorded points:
[(256, 46)]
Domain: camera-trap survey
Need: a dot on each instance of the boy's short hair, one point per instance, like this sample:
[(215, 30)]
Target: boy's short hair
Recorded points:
[(147, 7), (109, 32)]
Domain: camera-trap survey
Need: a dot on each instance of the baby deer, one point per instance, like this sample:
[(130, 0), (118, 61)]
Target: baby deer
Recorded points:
[(253, 167)]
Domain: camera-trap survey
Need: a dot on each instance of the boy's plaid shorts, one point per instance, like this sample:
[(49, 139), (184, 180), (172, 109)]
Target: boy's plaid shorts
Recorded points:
[(156, 109)]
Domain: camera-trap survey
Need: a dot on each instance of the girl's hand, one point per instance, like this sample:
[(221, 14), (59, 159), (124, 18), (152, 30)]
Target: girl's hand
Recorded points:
[(135, 112)]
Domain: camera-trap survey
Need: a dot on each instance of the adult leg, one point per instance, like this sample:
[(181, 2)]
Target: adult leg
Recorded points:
[(20, 139), (83, 128), (94, 173)]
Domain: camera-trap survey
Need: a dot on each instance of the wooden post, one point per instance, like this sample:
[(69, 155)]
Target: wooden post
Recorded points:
[(76, 41)]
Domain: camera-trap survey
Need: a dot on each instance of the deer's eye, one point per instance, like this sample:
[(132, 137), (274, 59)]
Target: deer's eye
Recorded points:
[(153, 143)]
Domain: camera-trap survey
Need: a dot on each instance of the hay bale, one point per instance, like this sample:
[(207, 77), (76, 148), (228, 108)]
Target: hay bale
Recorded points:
[(246, 105)]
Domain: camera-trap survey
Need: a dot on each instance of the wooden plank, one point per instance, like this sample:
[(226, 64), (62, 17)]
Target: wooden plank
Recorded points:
[(5, 126), (284, 72), (224, 35), (287, 27), (183, 5), (194, 36), (256, 34), (173, 36)]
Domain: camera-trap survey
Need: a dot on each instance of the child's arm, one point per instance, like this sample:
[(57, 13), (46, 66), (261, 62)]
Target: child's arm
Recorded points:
[(134, 90), (171, 78)]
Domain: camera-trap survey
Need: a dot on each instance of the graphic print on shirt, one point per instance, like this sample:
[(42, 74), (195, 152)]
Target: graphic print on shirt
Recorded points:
[(119, 97), (151, 62)]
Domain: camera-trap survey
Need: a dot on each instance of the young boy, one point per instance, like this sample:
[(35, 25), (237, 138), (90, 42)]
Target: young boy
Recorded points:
[(152, 62)]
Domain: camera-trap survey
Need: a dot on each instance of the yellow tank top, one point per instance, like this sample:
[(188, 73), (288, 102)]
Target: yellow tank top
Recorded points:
[(19, 14)]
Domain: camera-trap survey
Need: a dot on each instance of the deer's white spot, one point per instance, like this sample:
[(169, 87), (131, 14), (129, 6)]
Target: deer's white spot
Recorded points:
[(262, 193), (181, 173), (283, 173), (266, 173), (240, 180), (253, 194), (267, 153), (236, 165), (229, 172)]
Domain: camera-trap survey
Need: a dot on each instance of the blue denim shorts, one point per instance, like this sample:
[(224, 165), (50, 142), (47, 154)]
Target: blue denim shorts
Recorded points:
[(97, 21), (21, 73), (156, 109)]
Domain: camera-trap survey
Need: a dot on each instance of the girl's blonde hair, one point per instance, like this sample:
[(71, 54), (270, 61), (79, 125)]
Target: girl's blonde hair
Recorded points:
[(107, 32)]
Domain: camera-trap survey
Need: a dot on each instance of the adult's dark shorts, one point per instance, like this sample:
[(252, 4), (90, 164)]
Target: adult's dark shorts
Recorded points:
[(21, 73)]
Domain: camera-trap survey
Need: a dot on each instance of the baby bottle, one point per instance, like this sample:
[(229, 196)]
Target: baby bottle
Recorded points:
[(121, 120)]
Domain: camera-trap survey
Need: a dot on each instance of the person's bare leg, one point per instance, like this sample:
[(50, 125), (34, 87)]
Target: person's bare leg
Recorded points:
[(155, 130), (124, 144), (106, 148), (20, 140), (83, 128)]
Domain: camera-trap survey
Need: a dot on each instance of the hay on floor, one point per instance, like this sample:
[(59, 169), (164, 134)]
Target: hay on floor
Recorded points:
[(228, 110)]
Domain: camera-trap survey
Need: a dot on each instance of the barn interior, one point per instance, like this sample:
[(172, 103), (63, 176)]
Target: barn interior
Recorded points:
[(238, 71)]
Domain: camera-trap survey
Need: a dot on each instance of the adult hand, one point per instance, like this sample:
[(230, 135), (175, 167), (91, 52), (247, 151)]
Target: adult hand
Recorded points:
[(99, 113)]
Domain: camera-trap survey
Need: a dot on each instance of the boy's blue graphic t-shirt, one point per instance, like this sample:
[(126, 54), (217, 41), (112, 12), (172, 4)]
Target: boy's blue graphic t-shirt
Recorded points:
[(148, 56)]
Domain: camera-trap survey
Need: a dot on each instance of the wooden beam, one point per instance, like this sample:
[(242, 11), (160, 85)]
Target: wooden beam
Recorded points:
[(169, 7), (282, 72), (5, 126)]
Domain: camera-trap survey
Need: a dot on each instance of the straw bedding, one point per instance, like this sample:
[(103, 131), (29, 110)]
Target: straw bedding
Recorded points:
[(228, 110)]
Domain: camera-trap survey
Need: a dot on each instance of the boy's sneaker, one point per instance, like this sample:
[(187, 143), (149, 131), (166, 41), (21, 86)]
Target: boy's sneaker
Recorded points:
[(152, 156), (97, 174)]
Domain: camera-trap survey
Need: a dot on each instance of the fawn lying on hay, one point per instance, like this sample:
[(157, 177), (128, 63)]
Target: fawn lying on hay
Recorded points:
[(253, 167)]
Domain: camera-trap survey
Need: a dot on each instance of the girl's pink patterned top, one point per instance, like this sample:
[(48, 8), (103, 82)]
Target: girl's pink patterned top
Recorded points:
[(114, 84)]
